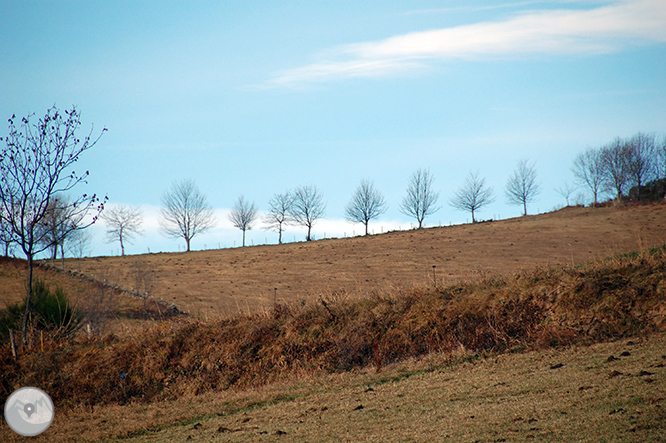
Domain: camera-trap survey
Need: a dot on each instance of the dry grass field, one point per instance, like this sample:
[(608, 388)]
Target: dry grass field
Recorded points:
[(220, 282)]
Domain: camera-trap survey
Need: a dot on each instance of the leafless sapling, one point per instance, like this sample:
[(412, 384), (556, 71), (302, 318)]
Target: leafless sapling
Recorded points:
[(421, 198), (473, 195), (589, 170), (367, 203), (522, 186), (123, 223), (566, 190), (308, 207), (278, 215), (185, 212), (616, 167), (79, 243), (243, 214)]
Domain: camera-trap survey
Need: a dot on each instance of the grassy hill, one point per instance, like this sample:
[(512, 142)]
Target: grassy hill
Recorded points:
[(435, 328), (220, 282), (529, 348)]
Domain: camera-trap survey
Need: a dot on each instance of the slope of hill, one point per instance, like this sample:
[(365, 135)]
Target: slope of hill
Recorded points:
[(243, 279), (497, 359)]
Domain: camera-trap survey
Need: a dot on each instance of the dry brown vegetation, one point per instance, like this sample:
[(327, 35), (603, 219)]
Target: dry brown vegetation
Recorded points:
[(540, 308), (605, 392), (221, 282)]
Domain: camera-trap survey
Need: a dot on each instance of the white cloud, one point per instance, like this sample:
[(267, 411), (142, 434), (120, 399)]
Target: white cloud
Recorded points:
[(564, 31)]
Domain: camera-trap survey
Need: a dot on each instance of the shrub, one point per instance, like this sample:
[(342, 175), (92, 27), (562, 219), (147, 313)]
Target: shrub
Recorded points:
[(51, 312), (10, 318)]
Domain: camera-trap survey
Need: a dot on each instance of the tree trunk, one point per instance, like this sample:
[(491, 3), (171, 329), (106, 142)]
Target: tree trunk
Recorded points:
[(473, 220), (122, 247), (187, 241), (280, 234), (243, 237), (366, 228), (28, 301), (308, 238), (524, 207)]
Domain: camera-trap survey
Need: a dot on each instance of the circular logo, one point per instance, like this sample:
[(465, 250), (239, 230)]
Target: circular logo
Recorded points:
[(29, 411)]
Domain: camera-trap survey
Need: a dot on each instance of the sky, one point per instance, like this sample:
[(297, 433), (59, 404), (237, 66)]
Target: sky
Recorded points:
[(254, 98)]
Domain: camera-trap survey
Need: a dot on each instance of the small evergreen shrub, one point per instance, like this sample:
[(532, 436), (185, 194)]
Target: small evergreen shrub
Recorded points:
[(51, 312)]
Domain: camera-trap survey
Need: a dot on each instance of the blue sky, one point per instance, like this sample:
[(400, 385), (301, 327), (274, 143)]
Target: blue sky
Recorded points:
[(254, 98)]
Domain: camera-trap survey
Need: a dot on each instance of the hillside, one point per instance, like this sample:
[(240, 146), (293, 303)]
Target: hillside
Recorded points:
[(498, 359), (218, 282)]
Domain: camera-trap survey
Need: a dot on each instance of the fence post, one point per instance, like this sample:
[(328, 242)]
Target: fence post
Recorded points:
[(13, 342)]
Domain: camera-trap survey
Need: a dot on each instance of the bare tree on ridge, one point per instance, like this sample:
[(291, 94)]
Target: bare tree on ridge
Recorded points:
[(366, 204), (185, 212), (243, 214)]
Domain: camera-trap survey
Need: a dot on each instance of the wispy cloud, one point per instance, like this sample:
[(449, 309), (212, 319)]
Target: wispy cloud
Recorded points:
[(599, 30)]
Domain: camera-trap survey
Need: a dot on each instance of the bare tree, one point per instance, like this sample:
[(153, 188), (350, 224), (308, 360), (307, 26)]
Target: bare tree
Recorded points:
[(185, 212), (79, 243), (307, 207), (522, 187), (243, 214), (660, 169), (421, 198), (616, 165), (566, 190), (473, 195), (277, 217), (60, 222), (367, 203), (589, 170), (123, 223), (35, 166), (641, 159)]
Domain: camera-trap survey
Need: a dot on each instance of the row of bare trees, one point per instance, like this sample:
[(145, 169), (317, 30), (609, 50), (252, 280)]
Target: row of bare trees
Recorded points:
[(421, 198), (620, 165), (186, 213), (302, 206)]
